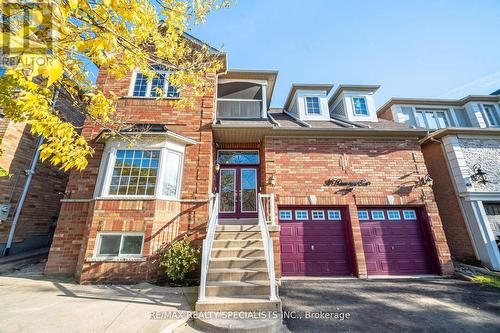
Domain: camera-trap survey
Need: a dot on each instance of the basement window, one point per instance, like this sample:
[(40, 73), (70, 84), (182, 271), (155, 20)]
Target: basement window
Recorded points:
[(111, 244)]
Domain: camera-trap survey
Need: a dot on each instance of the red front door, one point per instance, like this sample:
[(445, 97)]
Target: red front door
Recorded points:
[(238, 187)]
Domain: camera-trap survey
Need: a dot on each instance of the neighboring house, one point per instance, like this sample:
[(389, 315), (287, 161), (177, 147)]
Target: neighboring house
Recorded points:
[(321, 188), (37, 215), (463, 143)]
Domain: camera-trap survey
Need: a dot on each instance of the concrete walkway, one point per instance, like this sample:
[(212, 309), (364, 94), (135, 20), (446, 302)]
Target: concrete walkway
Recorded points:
[(33, 303)]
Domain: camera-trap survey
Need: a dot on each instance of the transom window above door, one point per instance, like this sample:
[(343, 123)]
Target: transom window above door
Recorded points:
[(157, 87), (238, 157)]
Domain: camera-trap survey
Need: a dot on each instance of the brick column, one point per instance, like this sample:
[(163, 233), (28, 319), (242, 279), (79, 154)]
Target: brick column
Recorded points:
[(359, 252)]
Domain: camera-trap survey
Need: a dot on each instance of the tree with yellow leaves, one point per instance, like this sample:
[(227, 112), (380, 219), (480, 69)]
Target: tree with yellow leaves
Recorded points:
[(47, 45)]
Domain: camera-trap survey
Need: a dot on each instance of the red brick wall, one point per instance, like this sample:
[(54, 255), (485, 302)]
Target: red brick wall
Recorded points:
[(451, 215), (155, 217), (302, 165), (42, 204)]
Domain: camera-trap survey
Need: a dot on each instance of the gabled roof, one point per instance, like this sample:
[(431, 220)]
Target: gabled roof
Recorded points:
[(305, 86), (438, 101), (246, 74), (352, 87)]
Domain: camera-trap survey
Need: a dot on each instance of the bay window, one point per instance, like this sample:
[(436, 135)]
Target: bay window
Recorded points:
[(148, 169), (492, 118), (432, 119)]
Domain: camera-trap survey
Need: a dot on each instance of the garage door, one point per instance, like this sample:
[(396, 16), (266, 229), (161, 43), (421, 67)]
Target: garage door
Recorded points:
[(313, 242), (394, 242)]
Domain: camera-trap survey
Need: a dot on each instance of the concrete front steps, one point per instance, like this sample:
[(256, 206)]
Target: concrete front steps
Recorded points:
[(237, 280)]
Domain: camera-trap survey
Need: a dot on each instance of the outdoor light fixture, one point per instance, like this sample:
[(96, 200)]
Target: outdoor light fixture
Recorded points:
[(425, 180), (478, 174), (272, 180), (217, 167)]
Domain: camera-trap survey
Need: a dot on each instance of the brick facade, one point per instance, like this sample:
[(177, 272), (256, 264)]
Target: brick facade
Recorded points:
[(41, 207), (449, 205), (161, 220), (302, 165)]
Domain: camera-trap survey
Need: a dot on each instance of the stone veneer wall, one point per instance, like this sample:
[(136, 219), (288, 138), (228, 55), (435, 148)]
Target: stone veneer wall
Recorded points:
[(486, 153)]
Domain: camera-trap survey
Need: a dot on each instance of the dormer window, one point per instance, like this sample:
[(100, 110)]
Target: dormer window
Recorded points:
[(142, 87), (359, 106), (312, 105)]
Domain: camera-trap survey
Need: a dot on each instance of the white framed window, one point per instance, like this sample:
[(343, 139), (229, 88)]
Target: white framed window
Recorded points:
[(147, 169), (301, 215), (313, 105), (409, 215), (359, 106), (491, 115), (119, 244), (285, 215), (393, 215), (142, 87), (363, 215), (135, 172), (334, 215), (318, 215), (432, 119), (378, 215)]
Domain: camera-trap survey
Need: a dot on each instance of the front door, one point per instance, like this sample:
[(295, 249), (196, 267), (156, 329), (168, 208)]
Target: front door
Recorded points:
[(238, 187)]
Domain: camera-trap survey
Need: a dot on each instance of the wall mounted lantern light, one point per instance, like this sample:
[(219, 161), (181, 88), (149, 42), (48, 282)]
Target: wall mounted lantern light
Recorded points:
[(425, 180), (272, 180), (478, 174)]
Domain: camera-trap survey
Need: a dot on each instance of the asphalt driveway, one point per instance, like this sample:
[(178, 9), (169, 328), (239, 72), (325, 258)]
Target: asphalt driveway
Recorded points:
[(435, 305)]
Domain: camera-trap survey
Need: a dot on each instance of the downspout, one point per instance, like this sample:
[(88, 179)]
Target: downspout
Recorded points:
[(20, 204), (27, 183)]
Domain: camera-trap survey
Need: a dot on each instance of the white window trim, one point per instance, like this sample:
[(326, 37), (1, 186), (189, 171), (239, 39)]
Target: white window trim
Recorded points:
[(485, 116), (354, 108), (285, 211), (311, 114), (318, 211), (164, 146), (334, 211), (126, 233), (416, 110), (378, 211), (302, 211), (409, 211), (150, 85), (367, 215), (393, 211)]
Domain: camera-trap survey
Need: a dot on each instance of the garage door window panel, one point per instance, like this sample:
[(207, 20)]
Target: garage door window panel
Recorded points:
[(378, 215), (334, 215), (393, 215), (363, 215), (318, 215), (409, 215), (285, 215), (301, 215)]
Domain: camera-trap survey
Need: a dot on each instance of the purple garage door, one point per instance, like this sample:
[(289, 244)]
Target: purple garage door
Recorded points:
[(393, 241), (313, 242)]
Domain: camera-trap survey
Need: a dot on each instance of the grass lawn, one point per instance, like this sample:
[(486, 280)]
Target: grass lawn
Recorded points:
[(486, 279)]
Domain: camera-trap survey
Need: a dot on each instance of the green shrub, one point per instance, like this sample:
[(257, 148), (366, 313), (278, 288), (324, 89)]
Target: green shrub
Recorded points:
[(179, 260)]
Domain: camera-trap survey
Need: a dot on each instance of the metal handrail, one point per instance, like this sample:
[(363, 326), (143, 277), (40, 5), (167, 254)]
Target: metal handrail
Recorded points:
[(268, 248), (207, 244)]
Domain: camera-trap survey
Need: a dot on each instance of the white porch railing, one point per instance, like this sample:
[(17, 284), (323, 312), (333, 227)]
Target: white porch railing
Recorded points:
[(268, 206), (268, 242), (207, 243)]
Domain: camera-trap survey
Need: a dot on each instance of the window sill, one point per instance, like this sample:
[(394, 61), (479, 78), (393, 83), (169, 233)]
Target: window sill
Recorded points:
[(116, 259), (136, 198), (151, 98)]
